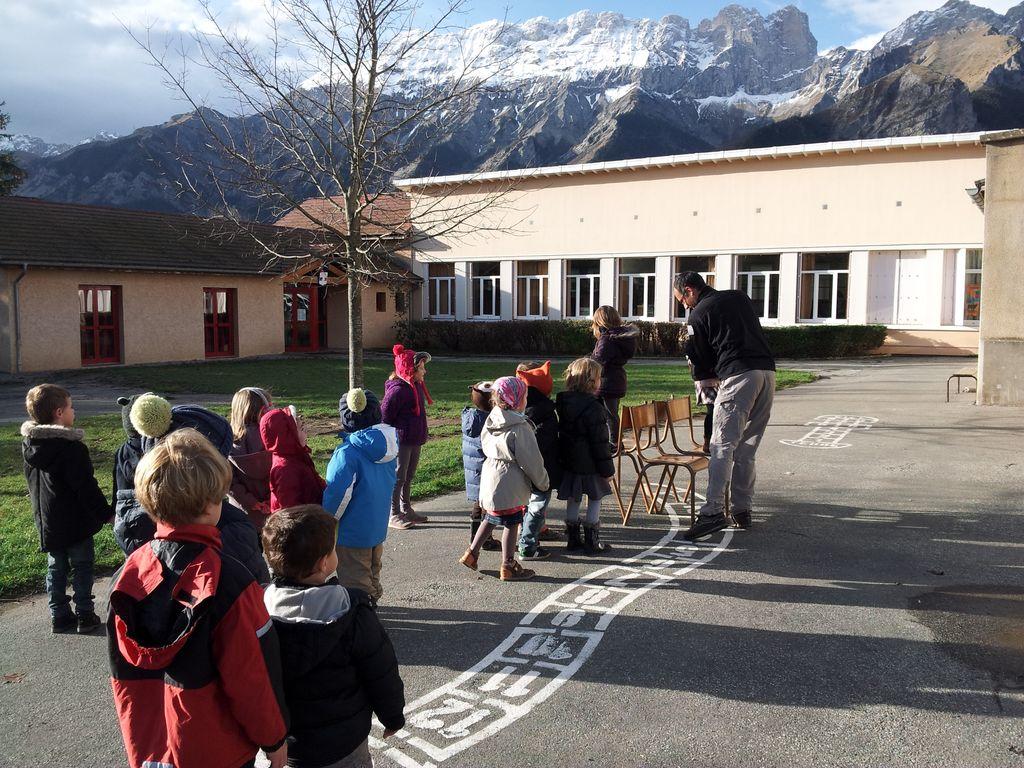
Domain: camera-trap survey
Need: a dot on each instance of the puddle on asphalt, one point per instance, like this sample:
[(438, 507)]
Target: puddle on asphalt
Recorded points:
[(981, 626)]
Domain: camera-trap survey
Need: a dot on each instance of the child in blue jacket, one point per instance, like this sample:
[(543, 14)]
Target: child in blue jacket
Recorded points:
[(360, 479), (473, 418)]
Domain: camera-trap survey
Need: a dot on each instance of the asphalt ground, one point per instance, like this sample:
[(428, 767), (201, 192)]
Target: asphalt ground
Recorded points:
[(872, 616)]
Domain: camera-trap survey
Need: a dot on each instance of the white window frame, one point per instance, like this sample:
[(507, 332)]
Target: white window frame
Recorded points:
[(649, 284), (818, 274), (593, 289), (532, 283), (744, 281), (967, 272), (708, 277), (435, 287), (478, 283)]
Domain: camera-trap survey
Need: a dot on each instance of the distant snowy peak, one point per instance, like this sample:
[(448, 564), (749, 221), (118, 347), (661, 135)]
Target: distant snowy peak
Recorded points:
[(928, 24), (33, 145), (586, 44)]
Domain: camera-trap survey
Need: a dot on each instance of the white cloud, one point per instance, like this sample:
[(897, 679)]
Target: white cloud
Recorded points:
[(867, 42)]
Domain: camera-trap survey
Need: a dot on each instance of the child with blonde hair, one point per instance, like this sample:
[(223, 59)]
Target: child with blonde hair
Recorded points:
[(513, 467), (250, 460), (585, 454)]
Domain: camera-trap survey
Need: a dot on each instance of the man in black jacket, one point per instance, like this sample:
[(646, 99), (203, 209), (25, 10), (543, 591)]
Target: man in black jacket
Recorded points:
[(726, 338)]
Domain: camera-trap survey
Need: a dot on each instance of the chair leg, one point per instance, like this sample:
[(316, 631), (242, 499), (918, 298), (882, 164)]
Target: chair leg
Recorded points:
[(618, 499), (693, 498)]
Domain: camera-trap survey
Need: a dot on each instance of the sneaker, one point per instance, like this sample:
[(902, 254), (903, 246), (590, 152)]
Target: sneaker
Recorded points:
[(415, 517), (400, 522), (88, 622), (705, 527), (64, 624), (741, 518), (538, 554), (492, 545), (515, 572), (469, 559)]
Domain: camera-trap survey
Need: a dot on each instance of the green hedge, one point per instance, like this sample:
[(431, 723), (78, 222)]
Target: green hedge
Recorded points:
[(542, 338)]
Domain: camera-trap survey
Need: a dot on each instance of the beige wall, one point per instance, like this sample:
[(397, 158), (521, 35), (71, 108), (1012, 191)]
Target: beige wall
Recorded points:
[(162, 316), (652, 211), (1001, 358), (378, 327), (930, 342)]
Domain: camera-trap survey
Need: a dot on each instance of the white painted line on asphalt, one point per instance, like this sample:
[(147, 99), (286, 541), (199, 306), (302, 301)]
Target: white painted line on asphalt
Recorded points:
[(830, 431), (550, 644)]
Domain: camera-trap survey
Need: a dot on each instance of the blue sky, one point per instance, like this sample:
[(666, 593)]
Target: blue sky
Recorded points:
[(68, 69)]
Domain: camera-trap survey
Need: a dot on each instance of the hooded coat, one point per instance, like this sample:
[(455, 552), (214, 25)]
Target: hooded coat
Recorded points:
[(339, 669), (513, 465), (250, 474), (293, 477), (360, 479), (540, 410), (405, 409), (583, 445), (472, 453), (67, 503), (614, 348), (194, 658)]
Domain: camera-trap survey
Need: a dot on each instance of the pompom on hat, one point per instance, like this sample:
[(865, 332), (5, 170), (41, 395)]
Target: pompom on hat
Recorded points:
[(150, 415), (511, 391), (358, 409)]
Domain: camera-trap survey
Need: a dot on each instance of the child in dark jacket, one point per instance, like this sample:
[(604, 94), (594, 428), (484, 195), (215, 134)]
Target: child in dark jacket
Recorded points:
[(293, 477), (585, 454), (68, 506), (706, 384), (250, 460), (615, 346), (540, 410), (405, 408), (339, 667), (194, 660), (473, 418)]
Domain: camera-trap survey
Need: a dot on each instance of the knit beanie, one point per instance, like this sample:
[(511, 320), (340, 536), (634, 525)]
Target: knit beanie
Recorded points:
[(511, 391), (150, 415), (358, 409), (126, 404), (539, 378), (404, 365)]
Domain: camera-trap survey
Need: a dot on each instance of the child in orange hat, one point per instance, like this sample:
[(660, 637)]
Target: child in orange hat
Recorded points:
[(540, 410)]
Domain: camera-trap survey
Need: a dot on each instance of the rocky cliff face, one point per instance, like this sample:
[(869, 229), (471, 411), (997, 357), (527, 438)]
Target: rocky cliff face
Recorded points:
[(599, 86)]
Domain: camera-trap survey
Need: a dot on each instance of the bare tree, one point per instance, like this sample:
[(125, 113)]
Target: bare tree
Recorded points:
[(10, 174), (324, 110)]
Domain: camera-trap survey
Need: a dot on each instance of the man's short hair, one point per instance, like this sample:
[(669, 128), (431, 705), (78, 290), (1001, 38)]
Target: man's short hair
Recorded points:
[(43, 402), (294, 539), (689, 280), (180, 476)]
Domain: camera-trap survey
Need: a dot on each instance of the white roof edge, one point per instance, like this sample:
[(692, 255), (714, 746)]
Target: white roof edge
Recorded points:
[(698, 158)]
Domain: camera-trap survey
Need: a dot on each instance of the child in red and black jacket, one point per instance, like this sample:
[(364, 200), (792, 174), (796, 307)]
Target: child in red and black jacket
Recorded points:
[(194, 658), (293, 476)]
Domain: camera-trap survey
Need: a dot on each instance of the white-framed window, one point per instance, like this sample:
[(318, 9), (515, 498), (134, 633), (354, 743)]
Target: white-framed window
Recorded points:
[(824, 287), (636, 289), (441, 290), (703, 265), (532, 289), (485, 277), (758, 277), (582, 287), (972, 287)]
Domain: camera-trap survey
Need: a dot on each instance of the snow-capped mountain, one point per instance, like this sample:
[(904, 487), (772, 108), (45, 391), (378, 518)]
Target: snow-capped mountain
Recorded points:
[(24, 144), (600, 86)]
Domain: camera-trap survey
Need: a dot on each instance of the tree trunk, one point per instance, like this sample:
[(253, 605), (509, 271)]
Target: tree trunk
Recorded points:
[(355, 333)]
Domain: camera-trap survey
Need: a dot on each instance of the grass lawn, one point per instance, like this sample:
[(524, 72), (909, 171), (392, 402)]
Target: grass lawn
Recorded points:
[(313, 385)]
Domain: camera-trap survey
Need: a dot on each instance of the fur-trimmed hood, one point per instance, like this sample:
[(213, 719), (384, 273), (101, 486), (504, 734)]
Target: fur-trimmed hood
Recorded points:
[(33, 431)]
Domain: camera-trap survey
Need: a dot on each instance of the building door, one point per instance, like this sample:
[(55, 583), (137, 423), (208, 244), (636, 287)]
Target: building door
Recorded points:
[(301, 318), (100, 323)]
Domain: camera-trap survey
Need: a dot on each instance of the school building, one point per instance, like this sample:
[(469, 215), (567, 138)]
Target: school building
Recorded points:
[(85, 285), (871, 231)]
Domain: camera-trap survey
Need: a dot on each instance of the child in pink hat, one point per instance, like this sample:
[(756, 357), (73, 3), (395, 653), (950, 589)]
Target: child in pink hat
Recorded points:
[(405, 408)]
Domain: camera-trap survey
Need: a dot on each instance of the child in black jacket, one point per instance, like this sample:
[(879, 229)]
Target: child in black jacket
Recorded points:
[(585, 454), (67, 503), (540, 410), (338, 665)]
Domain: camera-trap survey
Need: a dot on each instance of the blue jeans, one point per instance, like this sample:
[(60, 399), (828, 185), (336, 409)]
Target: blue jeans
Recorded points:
[(533, 521), (77, 560)]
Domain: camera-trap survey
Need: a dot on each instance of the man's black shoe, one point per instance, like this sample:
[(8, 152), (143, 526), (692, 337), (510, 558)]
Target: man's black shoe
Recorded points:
[(741, 518), (64, 624), (88, 622), (705, 527)]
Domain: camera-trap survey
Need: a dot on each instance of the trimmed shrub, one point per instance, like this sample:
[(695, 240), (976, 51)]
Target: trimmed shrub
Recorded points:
[(540, 338)]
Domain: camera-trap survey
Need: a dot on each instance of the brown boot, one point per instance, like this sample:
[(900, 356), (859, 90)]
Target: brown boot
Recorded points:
[(515, 572), (469, 559)]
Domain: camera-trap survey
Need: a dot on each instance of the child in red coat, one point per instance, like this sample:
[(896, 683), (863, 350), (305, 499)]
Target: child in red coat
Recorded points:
[(293, 476)]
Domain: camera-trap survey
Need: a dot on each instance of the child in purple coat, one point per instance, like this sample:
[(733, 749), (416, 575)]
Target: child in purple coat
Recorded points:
[(405, 408)]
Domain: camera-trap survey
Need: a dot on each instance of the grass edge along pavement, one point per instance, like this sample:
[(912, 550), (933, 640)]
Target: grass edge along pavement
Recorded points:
[(313, 385)]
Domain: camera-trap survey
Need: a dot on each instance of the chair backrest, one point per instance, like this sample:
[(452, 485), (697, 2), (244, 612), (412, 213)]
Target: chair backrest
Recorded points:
[(644, 421), (679, 410)]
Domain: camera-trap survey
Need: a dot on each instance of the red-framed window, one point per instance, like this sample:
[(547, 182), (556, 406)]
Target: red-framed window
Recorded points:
[(100, 323), (219, 321)]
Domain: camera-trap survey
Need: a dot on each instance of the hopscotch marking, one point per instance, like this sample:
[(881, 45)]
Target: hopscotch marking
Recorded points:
[(549, 645), (830, 431)]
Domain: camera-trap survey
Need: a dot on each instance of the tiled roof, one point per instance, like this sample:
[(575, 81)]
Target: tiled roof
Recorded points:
[(43, 233), (386, 215)]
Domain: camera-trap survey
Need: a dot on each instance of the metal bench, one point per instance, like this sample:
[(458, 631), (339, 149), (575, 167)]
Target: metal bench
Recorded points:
[(963, 373)]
